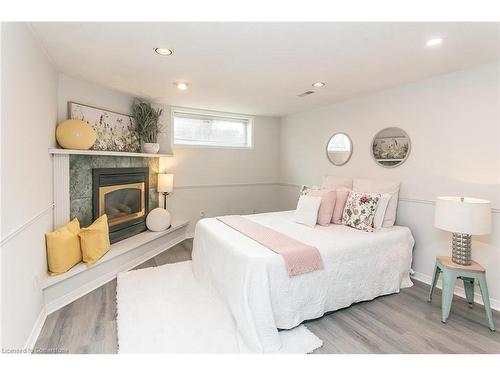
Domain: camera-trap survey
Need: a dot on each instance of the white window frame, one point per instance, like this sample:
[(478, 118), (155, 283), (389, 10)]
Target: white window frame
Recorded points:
[(201, 112)]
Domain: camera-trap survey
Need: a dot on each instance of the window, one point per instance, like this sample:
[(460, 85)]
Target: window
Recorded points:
[(211, 129)]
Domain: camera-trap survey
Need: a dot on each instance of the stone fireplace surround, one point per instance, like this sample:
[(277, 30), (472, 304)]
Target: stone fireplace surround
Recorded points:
[(80, 181)]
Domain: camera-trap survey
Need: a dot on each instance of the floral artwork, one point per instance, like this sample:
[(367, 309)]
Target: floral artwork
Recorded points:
[(359, 210), (115, 131), (390, 150)]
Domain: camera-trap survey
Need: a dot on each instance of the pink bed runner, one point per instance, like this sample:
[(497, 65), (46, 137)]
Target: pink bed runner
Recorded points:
[(299, 257)]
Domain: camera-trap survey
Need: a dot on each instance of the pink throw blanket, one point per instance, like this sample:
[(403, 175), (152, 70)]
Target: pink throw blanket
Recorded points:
[(299, 257)]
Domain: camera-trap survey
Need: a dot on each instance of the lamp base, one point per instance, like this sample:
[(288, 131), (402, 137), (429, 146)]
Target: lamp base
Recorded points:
[(461, 249), (165, 200)]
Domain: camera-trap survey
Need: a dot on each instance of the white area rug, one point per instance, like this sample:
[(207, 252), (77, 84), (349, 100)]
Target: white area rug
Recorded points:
[(165, 310)]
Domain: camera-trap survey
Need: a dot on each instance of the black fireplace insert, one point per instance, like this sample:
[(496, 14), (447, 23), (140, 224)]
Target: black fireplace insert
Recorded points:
[(121, 194)]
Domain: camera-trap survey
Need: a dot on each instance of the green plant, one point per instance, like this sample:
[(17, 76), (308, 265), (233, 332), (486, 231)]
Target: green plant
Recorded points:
[(146, 120)]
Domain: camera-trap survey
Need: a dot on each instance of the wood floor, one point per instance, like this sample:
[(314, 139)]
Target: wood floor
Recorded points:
[(399, 323)]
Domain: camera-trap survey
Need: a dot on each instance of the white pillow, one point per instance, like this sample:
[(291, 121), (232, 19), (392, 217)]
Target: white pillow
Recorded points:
[(378, 219), (307, 210)]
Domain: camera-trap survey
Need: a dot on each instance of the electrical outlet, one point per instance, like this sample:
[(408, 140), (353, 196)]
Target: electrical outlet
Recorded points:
[(202, 213)]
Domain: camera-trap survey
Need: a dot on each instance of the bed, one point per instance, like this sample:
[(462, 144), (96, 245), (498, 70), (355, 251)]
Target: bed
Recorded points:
[(263, 298)]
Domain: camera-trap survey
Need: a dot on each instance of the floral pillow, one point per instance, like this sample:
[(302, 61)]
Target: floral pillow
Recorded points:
[(359, 210)]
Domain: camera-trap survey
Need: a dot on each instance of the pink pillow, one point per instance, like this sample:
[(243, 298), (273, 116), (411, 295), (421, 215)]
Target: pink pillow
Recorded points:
[(336, 182), (342, 195), (327, 205)]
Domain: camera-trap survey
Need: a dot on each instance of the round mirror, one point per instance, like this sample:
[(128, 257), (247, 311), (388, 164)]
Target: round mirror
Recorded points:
[(391, 147), (339, 149)]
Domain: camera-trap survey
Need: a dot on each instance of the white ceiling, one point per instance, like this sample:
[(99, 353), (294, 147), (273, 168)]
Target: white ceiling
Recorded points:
[(259, 68)]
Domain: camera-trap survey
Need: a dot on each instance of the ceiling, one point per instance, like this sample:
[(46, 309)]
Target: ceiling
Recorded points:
[(260, 68)]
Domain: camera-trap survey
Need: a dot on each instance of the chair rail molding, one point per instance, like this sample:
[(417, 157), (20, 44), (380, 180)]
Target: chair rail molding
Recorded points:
[(401, 199), (26, 225), (229, 185)]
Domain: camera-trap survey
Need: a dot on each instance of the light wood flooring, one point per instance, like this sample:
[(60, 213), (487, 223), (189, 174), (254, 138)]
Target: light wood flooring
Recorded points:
[(399, 323)]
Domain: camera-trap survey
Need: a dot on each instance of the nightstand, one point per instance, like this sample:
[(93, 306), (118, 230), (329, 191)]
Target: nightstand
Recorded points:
[(469, 274)]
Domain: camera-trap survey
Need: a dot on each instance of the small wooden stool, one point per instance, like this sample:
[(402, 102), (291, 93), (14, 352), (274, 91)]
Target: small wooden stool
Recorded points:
[(451, 271)]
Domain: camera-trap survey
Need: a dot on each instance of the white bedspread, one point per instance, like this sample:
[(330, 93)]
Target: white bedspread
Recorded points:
[(262, 297)]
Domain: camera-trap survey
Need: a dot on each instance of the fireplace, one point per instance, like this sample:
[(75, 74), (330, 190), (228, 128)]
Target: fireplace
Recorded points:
[(121, 194)]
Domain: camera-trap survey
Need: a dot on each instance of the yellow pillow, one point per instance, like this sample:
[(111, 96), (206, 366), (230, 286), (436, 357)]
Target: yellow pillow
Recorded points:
[(94, 240), (63, 248)]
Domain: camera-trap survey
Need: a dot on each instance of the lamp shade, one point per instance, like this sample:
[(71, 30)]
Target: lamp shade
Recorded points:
[(165, 182), (463, 215)]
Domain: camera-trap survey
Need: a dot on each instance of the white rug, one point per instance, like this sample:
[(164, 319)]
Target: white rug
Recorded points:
[(165, 310)]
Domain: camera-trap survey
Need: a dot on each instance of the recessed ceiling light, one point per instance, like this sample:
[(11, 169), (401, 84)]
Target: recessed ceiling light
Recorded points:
[(181, 85), (434, 42), (318, 84), (164, 51)]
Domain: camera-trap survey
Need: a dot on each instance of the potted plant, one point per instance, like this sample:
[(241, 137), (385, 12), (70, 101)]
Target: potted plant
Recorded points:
[(147, 125)]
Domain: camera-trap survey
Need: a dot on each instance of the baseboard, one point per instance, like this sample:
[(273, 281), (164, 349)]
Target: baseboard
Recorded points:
[(459, 291), (89, 287), (35, 331)]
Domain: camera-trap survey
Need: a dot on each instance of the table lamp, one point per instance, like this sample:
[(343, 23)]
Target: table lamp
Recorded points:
[(463, 217), (165, 186)]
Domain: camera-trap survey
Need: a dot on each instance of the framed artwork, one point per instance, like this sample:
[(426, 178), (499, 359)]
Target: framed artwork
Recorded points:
[(392, 150), (115, 131)]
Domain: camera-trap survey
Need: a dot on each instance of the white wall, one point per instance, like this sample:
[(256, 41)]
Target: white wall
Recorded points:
[(216, 181), (71, 89), (454, 125), (29, 110), (226, 181)]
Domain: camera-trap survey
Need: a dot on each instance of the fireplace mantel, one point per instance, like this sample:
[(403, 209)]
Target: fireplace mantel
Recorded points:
[(124, 255), (64, 151)]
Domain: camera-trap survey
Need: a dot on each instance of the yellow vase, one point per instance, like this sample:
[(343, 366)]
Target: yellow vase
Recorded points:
[(75, 135)]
